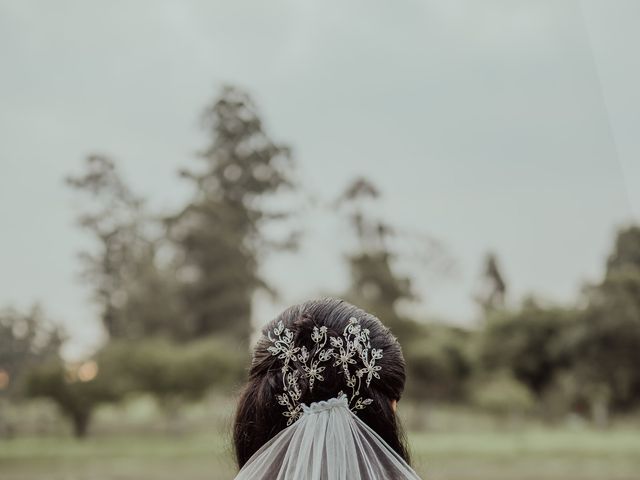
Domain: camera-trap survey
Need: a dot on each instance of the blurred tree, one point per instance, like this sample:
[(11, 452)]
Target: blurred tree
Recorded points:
[(494, 289), (608, 339), (605, 344), (375, 285), (626, 252), (77, 389), (26, 339), (137, 295), (221, 233), (528, 343), (172, 372), (438, 363)]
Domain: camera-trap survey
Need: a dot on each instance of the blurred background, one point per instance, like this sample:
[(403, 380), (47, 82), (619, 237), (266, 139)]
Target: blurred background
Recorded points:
[(174, 174)]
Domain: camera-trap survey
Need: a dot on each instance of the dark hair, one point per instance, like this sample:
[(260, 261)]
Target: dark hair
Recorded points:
[(259, 416)]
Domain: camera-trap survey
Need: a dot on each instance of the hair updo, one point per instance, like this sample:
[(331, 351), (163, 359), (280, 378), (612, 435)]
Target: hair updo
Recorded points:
[(259, 416)]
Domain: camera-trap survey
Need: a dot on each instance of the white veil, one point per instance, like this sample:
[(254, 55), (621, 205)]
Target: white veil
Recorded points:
[(327, 442)]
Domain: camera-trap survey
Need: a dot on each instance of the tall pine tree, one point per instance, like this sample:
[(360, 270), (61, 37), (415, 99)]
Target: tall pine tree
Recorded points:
[(221, 233), (375, 285)]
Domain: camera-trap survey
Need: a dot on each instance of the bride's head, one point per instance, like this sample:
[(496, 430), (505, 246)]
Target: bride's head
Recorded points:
[(262, 410)]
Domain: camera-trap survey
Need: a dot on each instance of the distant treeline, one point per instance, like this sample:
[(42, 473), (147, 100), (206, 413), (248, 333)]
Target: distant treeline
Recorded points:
[(175, 292)]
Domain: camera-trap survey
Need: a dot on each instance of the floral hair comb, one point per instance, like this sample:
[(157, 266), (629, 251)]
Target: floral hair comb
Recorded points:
[(351, 353)]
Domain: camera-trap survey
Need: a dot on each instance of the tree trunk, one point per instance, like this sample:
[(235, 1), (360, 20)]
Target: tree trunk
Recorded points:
[(80, 424), (599, 404)]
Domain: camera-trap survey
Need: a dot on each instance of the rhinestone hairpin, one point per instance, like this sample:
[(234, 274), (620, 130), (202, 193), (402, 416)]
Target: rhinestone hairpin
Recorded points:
[(346, 352)]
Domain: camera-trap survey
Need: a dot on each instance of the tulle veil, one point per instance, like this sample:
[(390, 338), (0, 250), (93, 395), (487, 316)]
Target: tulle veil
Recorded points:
[(328, 442)]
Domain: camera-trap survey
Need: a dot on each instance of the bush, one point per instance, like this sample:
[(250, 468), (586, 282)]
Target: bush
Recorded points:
[(186, 371), (502, 394)]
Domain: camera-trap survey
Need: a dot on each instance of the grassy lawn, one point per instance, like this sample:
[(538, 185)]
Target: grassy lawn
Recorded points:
[(530, 454)]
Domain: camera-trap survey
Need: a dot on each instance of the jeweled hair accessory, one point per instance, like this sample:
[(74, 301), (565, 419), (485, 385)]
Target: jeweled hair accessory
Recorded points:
[(351, 353)]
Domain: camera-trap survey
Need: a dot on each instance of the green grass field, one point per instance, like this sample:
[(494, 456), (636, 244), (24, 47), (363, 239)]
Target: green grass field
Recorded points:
[(131, 442), (535, 454)]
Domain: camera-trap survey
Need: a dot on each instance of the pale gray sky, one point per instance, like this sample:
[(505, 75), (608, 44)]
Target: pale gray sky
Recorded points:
[(504, 125)]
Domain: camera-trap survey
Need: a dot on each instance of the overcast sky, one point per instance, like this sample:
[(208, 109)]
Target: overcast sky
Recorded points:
[(491, 125)]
